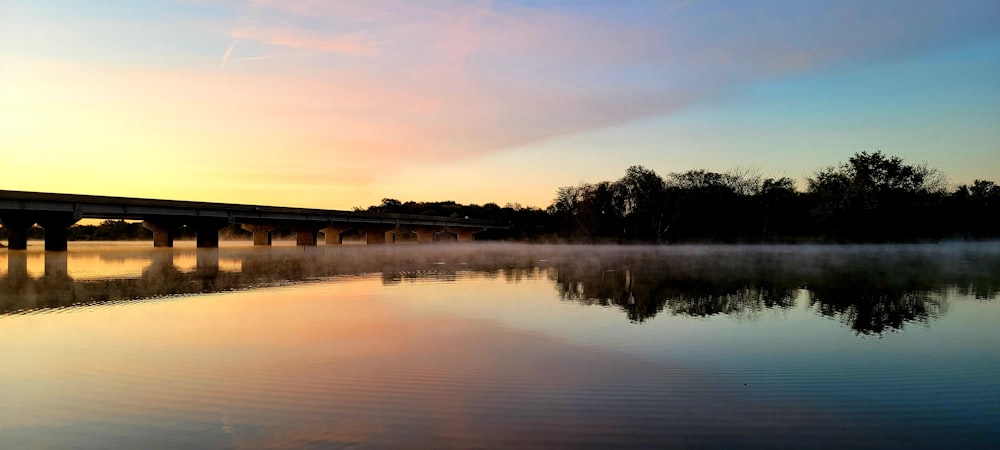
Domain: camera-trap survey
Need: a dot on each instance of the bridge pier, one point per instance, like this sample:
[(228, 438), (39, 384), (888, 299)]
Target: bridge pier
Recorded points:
[(375, 235), (163, 232), (56, 230), (402, 235), (306, 238), (464, 234), (207, 233), (425, 235), (445, 235), (262, 233), (334, 234), (17, 226)]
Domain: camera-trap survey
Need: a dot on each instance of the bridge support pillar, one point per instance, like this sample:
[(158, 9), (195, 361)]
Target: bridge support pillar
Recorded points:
[(306, 238), (334, 234), (425, 235), (17, 237), (375, 236), (17, 226), (402, 235), (163, 232), (262, 233), (464, 234), (56, 230), (445, 235), (207, 234)]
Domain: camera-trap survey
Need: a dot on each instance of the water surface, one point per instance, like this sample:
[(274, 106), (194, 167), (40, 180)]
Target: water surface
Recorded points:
[(498, 346)]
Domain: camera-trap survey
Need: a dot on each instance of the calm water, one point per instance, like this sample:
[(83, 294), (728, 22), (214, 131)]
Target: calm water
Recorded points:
[(500, 346)]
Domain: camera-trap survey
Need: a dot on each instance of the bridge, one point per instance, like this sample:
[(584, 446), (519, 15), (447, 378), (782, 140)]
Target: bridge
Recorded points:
[(55, 213)]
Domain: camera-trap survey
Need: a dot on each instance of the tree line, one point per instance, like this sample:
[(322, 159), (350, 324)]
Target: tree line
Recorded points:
[(872, 197)]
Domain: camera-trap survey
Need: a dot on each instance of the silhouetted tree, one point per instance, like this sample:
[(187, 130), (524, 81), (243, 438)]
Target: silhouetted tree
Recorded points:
[(639, 198), (744, 180), (704, 206), (873, 197), (109, 230), (587, 211), (975, 209), (780, 210)]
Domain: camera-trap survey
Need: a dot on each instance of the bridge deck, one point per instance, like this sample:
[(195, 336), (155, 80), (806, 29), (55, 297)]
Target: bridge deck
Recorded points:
[(19, 210)]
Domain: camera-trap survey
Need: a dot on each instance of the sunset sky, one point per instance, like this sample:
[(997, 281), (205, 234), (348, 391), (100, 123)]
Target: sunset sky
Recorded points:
[(336, 104)]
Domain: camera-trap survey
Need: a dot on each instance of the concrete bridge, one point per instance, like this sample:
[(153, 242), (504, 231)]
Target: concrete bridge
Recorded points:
[(55, 213)]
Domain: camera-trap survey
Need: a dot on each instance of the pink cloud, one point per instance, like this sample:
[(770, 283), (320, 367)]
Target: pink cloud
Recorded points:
[(353, 44)]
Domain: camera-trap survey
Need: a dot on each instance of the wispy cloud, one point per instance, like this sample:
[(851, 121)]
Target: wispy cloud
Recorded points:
[(352, 44), (228, 54), (262, 57), (467, 78)]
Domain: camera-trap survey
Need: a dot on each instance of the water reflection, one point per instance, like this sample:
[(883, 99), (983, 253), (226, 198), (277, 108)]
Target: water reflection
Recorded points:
[(643, 291), (17, 264), (867, 288), (872, 290)]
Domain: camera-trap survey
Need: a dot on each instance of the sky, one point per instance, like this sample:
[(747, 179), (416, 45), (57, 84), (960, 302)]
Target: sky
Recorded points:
[(339, 104)]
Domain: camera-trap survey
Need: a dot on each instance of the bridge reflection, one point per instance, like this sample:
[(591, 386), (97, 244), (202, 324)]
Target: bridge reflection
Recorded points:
[(40, 280)]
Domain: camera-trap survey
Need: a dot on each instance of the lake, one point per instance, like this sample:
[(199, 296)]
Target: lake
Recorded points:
[(489, 345)]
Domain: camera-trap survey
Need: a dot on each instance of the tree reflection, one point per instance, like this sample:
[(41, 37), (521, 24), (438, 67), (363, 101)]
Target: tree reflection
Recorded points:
[(875, 296), (871, 292), (874, 312), (644, 290)]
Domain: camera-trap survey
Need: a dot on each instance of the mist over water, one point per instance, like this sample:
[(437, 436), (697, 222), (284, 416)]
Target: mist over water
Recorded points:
[(499, 345), (872, 288)]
